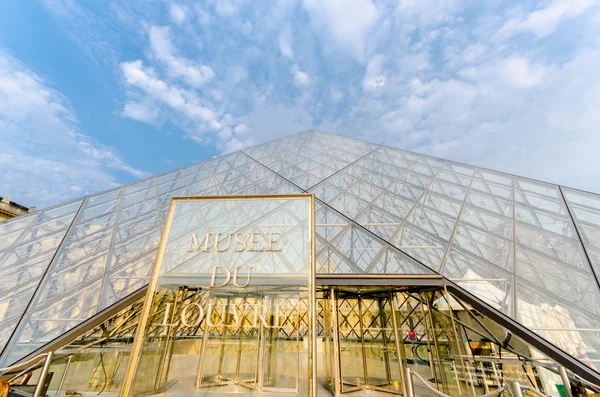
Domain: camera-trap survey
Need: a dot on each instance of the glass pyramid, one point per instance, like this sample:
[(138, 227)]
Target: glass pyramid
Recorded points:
[(528, 249)]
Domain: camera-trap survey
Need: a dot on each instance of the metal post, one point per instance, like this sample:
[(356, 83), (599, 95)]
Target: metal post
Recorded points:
[(362, 340), (456, 378), (261, 351), (398, 340), (486, 389), (431, 363), (43, 375), (62, 380), (337, 381), (562, 371), (410, 390), (515, 387), (203, 349)]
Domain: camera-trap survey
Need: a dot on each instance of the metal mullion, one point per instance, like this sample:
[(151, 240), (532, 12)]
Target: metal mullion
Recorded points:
[(535, 216), (385, 189), (337, 237), (479, 210), (478, 245), (416, 202), (559, 299), (586, 223), (444, 198), (110, 247), (9, 341), (569, 267), (533, 208), (579, 236), (285, 179), (352, 222), (494, 196), (25, 230), (455, 173), (341, 169), (581, 205), (348, 260), (546, 240), (487, 262), (433, 223), (451, 239), (342, 190), (361, 256)]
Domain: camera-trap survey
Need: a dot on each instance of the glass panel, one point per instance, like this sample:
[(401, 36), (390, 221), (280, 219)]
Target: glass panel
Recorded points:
[(573, 330), (585, 208), (379, 222), (421, 245), (358, 246), (352, 354), (12, 229), (482, 279), (263, 243), (553, 245), (554, 277), (485, 245), (45, 323)]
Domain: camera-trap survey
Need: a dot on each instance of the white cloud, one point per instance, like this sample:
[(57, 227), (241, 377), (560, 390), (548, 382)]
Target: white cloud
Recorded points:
[(544, 21), (241, 129), (285, 43), (518, 71), (374, 76), (178, 13), (228, 8), (49, 160), (460, 82), (191, 72), (349, 21), (421, 12), (203, 16), (140, 112), (301, 78), (512, 115), (179, 99)]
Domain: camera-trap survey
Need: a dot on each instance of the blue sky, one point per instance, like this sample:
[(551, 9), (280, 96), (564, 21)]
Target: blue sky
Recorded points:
[(97, 94)]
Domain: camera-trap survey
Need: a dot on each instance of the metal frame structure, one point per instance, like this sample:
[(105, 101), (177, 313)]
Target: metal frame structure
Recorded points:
[(153, 284), (509, 244)]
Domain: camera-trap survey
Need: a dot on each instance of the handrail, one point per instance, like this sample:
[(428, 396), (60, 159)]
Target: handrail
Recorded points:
[(15, 367), (37, 359), (534, 391), (410, 389), (409, 384)]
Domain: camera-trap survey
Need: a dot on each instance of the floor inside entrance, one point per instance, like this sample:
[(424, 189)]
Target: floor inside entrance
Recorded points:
[(184, 384)]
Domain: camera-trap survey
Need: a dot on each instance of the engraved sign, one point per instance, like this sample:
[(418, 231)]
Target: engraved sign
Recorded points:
[(231, 271)]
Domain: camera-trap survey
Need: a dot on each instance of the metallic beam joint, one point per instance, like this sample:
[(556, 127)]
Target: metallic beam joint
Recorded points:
[(62, 380), (43, 375), (410, 389), (515, 388), (562, 371)]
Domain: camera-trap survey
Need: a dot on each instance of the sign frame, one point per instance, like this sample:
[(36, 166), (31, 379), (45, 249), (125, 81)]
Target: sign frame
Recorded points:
[(140, 334)]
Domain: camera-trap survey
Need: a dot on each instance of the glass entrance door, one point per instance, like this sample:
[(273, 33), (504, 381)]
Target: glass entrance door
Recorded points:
[(230, 345), (251, 340), (281, 344), (368, 342)]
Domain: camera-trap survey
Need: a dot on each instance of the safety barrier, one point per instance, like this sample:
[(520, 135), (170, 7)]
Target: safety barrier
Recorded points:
[(515, 388)]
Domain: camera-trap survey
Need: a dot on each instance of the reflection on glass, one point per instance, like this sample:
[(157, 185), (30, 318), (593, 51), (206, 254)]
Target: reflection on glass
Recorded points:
[(231, 302)]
